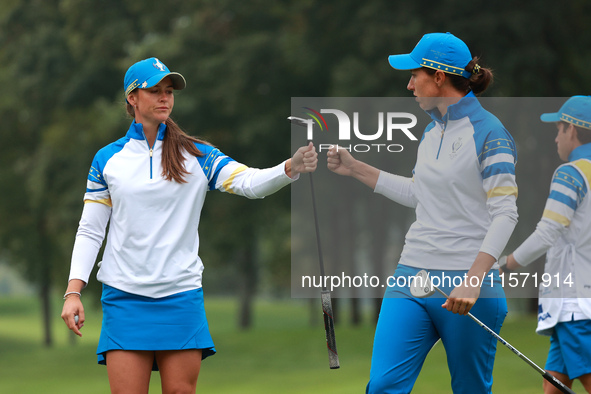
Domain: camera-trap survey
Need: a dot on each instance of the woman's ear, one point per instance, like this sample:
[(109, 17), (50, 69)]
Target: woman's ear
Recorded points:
[(439, 78), (131, 100)]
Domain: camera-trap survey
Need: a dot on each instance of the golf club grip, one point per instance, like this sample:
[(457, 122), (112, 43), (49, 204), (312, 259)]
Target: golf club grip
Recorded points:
[(331, 344), (557, 383)]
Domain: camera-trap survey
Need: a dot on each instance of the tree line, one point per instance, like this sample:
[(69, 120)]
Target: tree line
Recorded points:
[(62, 65)]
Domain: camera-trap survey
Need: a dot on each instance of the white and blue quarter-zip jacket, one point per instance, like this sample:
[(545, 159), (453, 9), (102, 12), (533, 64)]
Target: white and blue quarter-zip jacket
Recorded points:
[(564, 234), (153, 242), (463, 189)]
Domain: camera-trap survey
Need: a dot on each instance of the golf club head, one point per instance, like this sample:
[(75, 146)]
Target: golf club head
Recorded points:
[(420, 285), (298, 121), (307, 123)]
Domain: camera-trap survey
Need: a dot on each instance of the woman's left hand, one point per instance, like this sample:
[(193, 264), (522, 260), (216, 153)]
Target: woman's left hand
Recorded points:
[(304, 160), (462, 298)]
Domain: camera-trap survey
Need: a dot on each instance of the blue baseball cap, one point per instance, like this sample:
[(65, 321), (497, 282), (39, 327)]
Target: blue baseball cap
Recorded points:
[(149, 72), (439, 51), (576, 110)]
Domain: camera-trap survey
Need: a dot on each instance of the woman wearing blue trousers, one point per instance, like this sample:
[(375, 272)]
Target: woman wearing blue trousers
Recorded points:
[(464, 193)]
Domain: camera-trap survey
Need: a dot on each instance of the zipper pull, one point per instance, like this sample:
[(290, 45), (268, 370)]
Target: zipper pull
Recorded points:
[(151, 149)]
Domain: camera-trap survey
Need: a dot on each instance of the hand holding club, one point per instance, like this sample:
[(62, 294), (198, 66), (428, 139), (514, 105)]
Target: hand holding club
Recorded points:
[(462, 298), (304, 160)]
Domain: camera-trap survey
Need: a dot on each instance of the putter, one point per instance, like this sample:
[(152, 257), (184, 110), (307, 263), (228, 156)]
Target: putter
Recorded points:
[(331, 344), (422, 287)]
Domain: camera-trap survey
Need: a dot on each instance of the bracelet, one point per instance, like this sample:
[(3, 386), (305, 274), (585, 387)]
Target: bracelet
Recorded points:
[(72, 292)]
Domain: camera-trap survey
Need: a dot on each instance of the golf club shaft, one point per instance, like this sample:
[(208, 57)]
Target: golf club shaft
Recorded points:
[(320, 259), (552, 379), (333, 357)]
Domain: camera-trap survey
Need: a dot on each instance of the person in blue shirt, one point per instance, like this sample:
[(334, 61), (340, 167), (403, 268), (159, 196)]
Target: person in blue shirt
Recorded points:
[(564, 234), (464, 194)]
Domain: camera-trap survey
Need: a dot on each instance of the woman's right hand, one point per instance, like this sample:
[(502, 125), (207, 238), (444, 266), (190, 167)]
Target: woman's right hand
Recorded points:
[(340, 161), (73, 307)]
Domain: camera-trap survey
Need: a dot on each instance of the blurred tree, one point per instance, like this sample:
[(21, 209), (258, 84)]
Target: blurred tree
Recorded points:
[(62, 63), (58, 115)]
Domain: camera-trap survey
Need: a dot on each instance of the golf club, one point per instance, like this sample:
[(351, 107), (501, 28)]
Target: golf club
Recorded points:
[(333, 357), (422, 287)]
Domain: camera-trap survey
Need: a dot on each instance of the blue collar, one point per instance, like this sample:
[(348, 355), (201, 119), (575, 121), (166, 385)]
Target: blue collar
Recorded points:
[(136, 131), (580, 152), (466, 106)]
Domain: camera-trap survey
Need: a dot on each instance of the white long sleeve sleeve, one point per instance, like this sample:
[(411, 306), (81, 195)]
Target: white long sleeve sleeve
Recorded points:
[(397, 188), (546, 233), (250, 182), (565, 195), (498, 235), (89, 238)]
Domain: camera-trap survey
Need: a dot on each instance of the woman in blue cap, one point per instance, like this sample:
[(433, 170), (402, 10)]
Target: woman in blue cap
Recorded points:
[(464, 193), (150, 187), (564, 235)]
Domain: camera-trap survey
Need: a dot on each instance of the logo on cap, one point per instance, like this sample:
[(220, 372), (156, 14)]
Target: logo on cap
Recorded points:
[(159, 65)]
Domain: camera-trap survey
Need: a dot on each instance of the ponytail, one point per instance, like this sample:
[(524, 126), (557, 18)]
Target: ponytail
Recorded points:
[(480, 78)]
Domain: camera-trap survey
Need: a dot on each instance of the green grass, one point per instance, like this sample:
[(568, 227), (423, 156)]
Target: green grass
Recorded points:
[(282, 353)]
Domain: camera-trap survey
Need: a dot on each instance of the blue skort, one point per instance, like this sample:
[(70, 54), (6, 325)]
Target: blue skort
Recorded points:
[(134, 322)]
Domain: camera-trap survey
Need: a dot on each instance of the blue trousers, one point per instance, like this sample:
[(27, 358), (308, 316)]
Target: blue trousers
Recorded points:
[(408, 328)]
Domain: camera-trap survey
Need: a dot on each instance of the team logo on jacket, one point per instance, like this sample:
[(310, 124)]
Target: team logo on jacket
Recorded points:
[(541, 315), (455, 147)]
